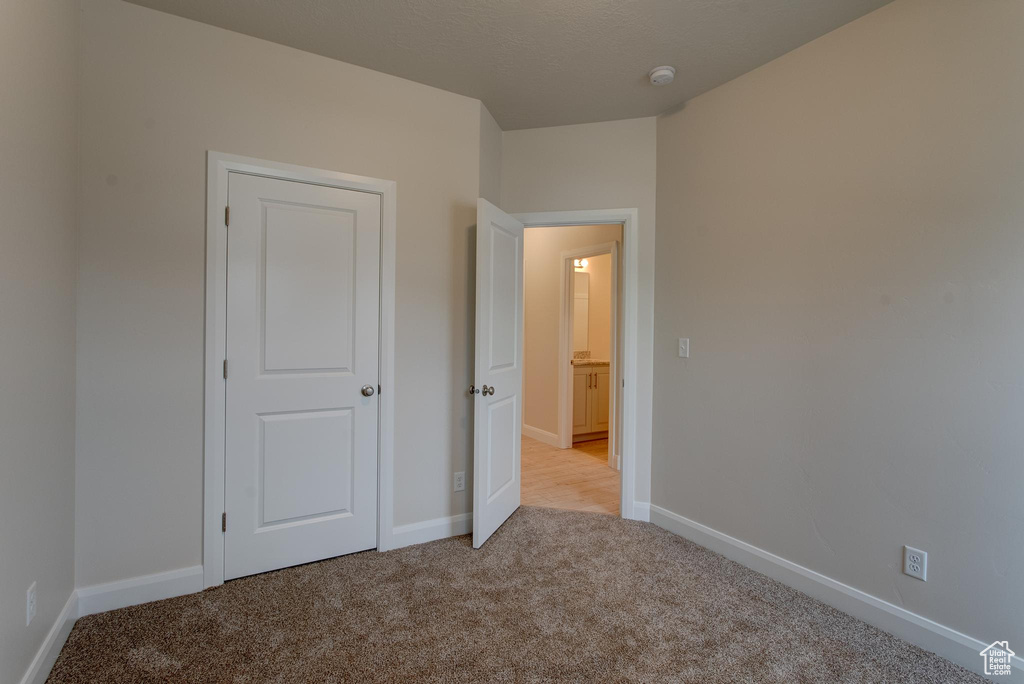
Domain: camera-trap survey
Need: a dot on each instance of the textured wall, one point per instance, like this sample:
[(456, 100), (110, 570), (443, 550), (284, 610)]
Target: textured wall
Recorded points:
[(490, 157), (38, 189), (841, 236), (158, 92)]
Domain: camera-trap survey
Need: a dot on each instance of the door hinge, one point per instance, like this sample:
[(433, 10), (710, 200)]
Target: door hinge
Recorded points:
[(378, 389), (227, 216), (224, 522), (225, 369)]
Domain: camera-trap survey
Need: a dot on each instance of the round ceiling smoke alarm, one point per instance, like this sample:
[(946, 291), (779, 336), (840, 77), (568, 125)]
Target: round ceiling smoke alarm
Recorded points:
[(662, 75)]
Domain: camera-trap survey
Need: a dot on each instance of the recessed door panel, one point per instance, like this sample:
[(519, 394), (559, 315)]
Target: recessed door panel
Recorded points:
[(302, 339), (602, 399), (306, 466), (505, 267), (309, 264), (502, 423), (580, 407)]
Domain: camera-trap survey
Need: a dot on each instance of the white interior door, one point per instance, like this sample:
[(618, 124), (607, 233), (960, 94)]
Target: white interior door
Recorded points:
[(613, 367), (302, 372), (499, 369)]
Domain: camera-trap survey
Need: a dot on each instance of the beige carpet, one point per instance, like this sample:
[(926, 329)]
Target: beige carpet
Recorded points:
[(553, 596)]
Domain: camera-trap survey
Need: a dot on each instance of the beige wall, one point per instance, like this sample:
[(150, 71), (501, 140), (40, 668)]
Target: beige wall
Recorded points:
[(38, 189), (596, 166), (542, 251), (158, 92), (490, 157), (841, 236)]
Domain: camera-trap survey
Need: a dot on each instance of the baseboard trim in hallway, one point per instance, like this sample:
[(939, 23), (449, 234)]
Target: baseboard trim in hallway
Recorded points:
[(99, 598), (920, 631), (548, 438)]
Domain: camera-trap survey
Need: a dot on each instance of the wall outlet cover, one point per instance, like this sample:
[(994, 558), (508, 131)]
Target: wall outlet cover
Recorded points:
[(460, 481), (915, 563)]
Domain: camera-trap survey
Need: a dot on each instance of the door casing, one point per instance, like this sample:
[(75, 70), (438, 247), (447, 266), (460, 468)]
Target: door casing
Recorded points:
[(629, 219), (218, 167)]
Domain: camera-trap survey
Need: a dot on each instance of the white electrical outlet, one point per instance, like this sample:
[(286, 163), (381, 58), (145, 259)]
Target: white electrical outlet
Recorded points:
[(915, 563), (684, 347), (460, 481), (30, 604)]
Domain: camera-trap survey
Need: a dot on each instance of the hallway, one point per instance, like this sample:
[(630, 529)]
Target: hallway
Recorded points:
[(576, 479)]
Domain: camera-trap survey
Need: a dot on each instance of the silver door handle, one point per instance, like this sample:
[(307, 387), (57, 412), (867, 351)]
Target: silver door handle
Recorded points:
[(473, 389), (367, 390), (487, 390)]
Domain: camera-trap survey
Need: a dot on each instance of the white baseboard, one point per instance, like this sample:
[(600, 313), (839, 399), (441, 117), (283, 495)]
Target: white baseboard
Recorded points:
[(47, 654), (541, 435), (431, 530), (642, 511), (920, 631), (130, 592)]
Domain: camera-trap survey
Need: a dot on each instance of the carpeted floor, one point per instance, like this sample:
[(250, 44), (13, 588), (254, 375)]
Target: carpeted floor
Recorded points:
[(553, 596)]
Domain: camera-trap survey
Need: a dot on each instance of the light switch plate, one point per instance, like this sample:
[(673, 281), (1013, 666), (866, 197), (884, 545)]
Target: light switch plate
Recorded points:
[(684, 347), (30, 604)]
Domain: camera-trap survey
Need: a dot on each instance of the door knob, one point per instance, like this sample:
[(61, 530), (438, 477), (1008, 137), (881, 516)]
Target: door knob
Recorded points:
[(473, 389), (367, 390), (487, 390)]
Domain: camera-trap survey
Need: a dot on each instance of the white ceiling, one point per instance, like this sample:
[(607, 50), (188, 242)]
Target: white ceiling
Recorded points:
[(541, 62)]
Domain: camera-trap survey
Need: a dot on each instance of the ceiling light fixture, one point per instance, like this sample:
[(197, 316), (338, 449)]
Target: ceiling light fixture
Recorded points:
[(580, 263), (662, 75)]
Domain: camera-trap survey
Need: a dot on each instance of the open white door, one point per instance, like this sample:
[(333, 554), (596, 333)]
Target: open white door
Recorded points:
[(498, 385), (613, 375)]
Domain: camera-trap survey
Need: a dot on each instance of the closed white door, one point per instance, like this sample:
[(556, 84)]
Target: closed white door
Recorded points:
[(499, 369), (302, 364)]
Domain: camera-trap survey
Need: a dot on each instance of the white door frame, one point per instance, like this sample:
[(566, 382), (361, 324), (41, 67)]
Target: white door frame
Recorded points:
[(566, 346), (218, 165), (628, 218)]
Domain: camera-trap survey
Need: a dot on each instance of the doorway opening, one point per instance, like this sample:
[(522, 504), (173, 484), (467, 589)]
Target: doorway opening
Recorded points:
[(570, 455), (499, 358)]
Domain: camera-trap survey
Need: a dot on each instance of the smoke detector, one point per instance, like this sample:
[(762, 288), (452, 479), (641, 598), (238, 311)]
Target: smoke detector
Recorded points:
[(662, 75)]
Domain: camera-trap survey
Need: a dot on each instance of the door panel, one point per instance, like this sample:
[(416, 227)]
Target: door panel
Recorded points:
[(501, 423), (580, 409), (302, 321), (502, 265), (499, 366), (308, 265), (306, 465), (602, 398)]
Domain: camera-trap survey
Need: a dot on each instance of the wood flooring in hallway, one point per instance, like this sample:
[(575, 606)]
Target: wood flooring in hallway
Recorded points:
[(577, 479)]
